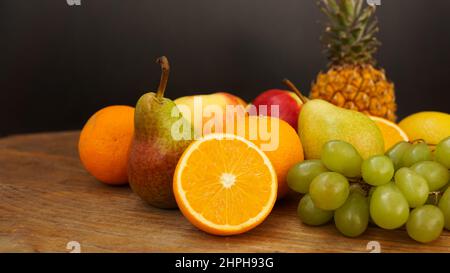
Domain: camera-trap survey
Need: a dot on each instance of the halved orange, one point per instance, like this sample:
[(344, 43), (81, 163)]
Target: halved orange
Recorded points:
[(224, 184), (392, 133)]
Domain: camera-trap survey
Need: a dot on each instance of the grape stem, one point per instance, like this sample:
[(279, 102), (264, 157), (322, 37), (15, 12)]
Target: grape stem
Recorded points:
[(420, 140), (363, 185), (366, 188), (435, 196)]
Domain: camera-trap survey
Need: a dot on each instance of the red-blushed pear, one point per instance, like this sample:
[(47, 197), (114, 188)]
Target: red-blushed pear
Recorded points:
[(156, 147), (289, 105)]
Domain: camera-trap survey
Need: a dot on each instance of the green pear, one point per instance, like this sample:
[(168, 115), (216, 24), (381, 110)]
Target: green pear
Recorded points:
[(156, 146), (320, 121)]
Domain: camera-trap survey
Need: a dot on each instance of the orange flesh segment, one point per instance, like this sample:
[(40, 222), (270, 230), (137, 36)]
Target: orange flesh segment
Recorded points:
[(227, 182)]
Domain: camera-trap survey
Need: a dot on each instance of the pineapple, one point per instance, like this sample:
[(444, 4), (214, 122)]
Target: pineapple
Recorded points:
[(352, 80)]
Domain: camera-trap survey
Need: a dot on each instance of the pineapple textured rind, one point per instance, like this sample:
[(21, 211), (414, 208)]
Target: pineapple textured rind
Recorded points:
[(352, 80), (361, 88)]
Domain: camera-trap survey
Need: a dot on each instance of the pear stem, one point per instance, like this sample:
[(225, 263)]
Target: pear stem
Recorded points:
[(295, 90), (165, 68)]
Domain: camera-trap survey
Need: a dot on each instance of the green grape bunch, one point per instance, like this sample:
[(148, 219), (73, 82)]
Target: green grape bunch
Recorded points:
[(407, 187)]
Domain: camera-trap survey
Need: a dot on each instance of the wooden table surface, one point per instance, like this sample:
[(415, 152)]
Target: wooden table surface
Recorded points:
[(48, 200)]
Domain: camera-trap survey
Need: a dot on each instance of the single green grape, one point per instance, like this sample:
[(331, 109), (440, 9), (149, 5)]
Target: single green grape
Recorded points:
[(352, 218), (444, 205), (425, 224), (436, 175), (395, 153), (388, 207), (310, 214), (301, 174), (415, 153), (442, 152), (329, 190), (413, 186), (340, 156), (377, 170)]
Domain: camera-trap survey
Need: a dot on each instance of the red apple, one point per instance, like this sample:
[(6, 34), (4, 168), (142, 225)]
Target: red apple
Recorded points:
[(289, 104)]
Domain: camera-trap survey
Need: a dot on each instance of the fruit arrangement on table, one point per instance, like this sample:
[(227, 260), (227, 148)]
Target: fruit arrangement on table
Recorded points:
[(340, 148)]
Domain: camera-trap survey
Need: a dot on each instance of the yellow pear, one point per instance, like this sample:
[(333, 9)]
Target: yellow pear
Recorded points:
[(320, 121)]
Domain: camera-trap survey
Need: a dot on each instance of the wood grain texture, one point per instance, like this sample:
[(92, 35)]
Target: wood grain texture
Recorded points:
[(47, 199)]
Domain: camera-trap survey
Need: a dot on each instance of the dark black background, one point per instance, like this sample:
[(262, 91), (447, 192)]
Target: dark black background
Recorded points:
[(61, 63)]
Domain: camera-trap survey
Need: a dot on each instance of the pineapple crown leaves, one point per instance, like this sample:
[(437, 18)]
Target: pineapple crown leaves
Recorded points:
[(349, 36)]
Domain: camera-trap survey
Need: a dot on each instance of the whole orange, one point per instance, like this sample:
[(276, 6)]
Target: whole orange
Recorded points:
[(105, 143), (278, 140)]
